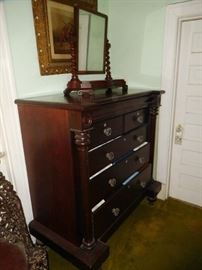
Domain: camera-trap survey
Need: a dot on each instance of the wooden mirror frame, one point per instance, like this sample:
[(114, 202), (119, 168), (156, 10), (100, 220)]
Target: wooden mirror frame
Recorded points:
[(76, 14), (87, 87)]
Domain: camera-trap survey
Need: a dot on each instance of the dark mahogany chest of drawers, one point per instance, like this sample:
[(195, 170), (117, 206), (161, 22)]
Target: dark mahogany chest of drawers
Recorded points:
[(89, 163)]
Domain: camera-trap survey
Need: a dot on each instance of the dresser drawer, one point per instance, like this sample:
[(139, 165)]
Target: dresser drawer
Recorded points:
[(112, 152), (109, 212), (106, 130), (134, 119), (103, 185)]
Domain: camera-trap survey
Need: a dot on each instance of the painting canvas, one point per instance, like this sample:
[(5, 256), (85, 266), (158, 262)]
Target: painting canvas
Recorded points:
[(60, 23)]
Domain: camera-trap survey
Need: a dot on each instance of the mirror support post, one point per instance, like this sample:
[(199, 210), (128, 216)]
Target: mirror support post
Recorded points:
[(107, 62), (74, 83)]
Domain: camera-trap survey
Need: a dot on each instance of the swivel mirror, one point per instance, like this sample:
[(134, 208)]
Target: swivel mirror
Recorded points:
[(92, 29), (90, 53)]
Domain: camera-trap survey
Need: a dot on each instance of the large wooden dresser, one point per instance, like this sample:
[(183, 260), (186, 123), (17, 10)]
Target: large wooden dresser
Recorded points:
[(89, 162)]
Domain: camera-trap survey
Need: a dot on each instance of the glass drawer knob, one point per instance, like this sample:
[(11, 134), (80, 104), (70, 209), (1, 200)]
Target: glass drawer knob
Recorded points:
[(140, 138), (108, 131), (110, 156), (115, 211), (142, 184), (141, 160), (140, 119), (112, 182)]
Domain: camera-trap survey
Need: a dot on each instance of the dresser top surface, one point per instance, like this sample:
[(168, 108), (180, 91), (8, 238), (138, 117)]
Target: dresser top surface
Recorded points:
[(83, 102)]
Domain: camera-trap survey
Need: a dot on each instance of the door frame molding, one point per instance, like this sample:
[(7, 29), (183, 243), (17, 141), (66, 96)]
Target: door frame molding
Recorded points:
[(10, 121), (175, 15)]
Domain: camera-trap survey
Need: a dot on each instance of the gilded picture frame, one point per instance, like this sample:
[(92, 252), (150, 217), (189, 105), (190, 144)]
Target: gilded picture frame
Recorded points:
[(53, 21)]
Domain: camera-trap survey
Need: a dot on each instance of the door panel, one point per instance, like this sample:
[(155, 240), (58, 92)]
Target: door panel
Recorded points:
[(186, 164), (192, 132), (191, 157), (193, 119), (195, 75), (193, 104), (197, 41), (194, 171)]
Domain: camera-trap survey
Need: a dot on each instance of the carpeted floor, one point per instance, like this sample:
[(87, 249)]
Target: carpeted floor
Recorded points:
[(165, 236)]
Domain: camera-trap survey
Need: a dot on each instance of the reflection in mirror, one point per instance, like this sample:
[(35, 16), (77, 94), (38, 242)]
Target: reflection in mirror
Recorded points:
[(92, 42)]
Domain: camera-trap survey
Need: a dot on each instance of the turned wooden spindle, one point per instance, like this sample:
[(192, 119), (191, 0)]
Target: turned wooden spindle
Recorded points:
[(107, 62), (74, 83)]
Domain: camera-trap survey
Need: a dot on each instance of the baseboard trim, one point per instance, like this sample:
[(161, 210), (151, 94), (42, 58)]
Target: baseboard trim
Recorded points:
[(163, 195)]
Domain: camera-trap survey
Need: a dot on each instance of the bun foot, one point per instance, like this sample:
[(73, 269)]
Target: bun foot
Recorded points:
[(152, 191)]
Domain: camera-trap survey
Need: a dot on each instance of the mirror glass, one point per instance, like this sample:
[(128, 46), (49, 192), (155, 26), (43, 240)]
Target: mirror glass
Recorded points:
[(92, 29)]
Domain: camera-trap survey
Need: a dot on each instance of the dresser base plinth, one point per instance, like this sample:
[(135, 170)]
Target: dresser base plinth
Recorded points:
[(84, 259)]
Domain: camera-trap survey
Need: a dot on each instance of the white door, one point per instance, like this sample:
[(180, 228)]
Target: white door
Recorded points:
[(186, 164)]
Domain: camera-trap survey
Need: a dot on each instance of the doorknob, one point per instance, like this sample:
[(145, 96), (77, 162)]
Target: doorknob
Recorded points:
[(178, 134)]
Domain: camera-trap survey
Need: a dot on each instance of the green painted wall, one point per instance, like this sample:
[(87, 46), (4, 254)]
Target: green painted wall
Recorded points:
[(136, 32), (103, 6), (22, 41)]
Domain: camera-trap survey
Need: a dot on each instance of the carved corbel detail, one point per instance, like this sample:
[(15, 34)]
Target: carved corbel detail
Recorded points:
[(154, 110), (82, 138)]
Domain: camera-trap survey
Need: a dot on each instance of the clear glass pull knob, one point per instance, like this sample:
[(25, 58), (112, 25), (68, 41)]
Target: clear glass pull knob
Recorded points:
[(112, 182), (108, 131), (115, 211), (140, 138), (110, 156), (141, 160), (178, 134), (143, 184), (140, 119)]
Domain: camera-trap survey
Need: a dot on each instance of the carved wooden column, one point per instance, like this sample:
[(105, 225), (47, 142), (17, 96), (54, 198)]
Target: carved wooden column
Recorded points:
[(82, 141), (153, 112), (155, 186)]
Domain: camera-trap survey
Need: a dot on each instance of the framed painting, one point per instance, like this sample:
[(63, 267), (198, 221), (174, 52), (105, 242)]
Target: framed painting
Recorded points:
[(54, 21)]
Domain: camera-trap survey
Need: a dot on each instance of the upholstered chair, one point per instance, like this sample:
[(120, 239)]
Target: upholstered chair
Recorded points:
[(17, 251)]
